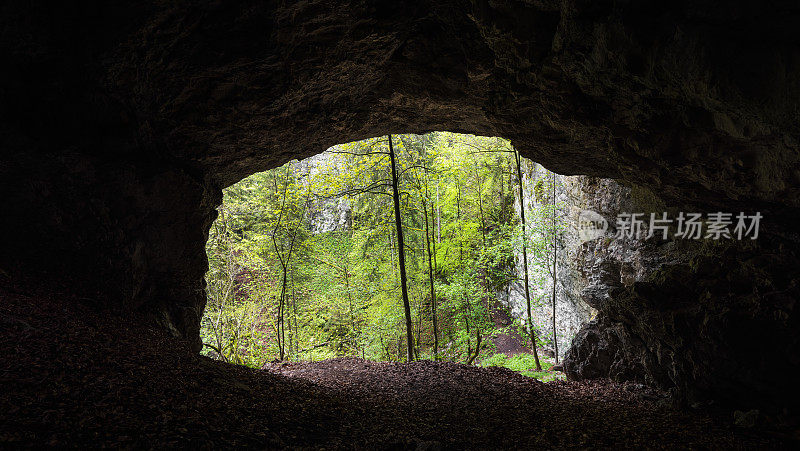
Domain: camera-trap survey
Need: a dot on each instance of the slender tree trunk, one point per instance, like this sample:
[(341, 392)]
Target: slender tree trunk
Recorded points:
[(469, 340), (418, 341), (482, 267), (401, 253), (480, 205), (555, 275), (438, 215), (289, 322), (278, 251), (284, 261), (461, 259), (294, 316), (477, 347), (281, 325), (460, 226), (222, 297), (433, 245), (433, 290), (350, 304), (525, 260)]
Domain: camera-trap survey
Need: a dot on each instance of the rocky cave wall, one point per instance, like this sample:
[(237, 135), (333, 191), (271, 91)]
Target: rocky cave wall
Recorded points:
[(650, 293), (121, 122)]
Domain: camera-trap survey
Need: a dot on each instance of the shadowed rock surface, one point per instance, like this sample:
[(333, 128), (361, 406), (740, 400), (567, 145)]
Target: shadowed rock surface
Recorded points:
[(121, 122)]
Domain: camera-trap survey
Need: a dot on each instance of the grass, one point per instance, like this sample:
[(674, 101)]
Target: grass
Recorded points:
[(524, 364)]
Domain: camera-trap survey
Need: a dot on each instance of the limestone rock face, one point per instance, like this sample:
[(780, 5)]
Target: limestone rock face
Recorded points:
[(324, 215), (572, 311), (122, 121)]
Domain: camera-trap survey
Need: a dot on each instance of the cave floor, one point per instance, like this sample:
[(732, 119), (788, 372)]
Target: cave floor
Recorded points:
[(72, 375)]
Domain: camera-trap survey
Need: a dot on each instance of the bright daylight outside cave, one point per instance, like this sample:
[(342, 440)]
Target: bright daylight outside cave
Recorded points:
[(304, 259), (462, 224)]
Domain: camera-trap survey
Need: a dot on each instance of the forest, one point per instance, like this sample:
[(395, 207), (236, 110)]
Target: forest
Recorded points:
[(388, 249)]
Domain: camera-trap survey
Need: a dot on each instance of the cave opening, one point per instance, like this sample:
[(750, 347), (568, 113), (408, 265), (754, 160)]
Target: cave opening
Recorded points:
[(122, 123), (303, 258)]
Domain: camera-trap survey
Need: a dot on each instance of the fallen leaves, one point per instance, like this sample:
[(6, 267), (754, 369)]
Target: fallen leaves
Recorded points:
[(74, 376)]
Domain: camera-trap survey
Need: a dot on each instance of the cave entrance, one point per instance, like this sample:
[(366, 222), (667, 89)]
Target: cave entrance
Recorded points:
[(303, 259)]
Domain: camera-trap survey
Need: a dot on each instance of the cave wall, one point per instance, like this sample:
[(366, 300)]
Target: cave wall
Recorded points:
[(705, 319), (122, 121)]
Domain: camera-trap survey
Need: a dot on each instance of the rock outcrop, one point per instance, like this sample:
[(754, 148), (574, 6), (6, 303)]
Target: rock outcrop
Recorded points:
[(122, 121), (653, 294)]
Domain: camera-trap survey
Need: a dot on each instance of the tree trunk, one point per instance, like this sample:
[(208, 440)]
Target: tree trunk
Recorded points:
[(433, 290), (418, 341), (294, 316), (281, 324), (482, 267), (401, 253), (477, 348), (438, 215), (460, 226), (525, 260), (555, 276), (469, 340), (480, 205), (284, 261), (346, 271)]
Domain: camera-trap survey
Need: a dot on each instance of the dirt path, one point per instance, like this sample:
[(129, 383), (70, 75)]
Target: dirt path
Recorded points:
[(509, 342), (73, 376)]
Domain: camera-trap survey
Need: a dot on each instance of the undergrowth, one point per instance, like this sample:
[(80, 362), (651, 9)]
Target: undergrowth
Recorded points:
[(524, 364)]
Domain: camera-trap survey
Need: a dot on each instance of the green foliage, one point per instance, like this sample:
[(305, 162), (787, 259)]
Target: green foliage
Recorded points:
[(524, 364), (277, 289), (538, 190)]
